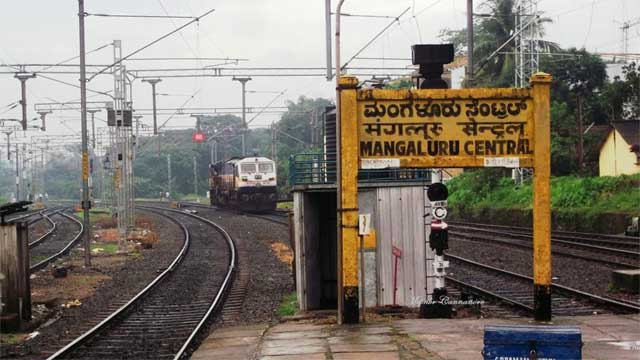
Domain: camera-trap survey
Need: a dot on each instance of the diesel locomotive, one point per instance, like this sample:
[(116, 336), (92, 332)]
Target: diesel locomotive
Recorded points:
[(244, 183)]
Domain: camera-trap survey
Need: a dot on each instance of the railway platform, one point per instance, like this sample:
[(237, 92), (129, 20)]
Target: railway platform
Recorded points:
[(603, 336)]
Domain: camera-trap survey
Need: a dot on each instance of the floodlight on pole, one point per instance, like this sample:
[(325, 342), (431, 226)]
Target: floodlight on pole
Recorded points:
[(23, 77), (153, 83)]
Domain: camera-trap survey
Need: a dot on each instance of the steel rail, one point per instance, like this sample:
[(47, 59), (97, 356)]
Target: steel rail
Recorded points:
[(223, 288), (135, 300), (561, 234), (65, 250), (561, 288), (46, 235), (247, 213), (24, 216), (557, 241), (479, 238), (91, 332), (490, 294)]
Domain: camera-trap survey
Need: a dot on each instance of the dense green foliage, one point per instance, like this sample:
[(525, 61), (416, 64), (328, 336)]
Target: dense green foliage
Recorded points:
[(482, 189), (289, 305), (579, 83)]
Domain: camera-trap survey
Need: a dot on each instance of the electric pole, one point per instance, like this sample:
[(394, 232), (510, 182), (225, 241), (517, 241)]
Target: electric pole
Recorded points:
[(86, 205), (8, 133), (169, 173), (93, 126), (195, 176), (469, 43), (23, 77), (580, 135), (137, 117), (17, 173), (43, 115), (153, 83), (243, 81)]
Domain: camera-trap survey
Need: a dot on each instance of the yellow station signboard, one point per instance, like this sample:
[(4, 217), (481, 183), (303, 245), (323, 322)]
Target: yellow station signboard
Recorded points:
[(440, 128), (445, 128)]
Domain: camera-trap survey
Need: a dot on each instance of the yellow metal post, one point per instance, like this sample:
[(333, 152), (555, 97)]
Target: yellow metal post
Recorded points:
[(348, 201), (541, 83)]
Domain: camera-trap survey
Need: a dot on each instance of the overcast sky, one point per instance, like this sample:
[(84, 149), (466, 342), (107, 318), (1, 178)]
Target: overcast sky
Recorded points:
[(270, 33)]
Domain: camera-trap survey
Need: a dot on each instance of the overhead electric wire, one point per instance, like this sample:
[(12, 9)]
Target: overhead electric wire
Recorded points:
[(178, 109), (187, 59), (396, 19), (152, 43), (179, 32), (142, 16), (365, 15), (75, 57), (267, 106), (74, 85)]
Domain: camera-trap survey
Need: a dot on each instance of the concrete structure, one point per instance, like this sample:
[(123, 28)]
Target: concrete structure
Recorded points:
[(395, 198), (620, 151), (604, 337), (397, 219)]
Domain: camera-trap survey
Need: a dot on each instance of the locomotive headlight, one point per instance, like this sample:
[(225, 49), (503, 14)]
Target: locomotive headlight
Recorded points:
[(272, 178), (244, 178)]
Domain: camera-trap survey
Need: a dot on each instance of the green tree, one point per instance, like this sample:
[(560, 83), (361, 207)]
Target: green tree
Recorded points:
[(490, 33), (299, 131), (578, 78), (620, 98)]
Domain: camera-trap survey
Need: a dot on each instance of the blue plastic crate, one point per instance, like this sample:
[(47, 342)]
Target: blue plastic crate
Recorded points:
[(525, 342)]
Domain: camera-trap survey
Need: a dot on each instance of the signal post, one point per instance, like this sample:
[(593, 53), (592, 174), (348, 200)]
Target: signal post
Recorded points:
[(442, 128)]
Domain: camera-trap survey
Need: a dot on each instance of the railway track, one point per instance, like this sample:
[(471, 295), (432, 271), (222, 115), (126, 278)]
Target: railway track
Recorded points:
[(615, 257), (163, 320), (46, 217), (517, 290), (55, 243), (276, 216), (573, 238)]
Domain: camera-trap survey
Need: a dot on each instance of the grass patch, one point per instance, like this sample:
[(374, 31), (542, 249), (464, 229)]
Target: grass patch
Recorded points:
[(588, 195), (289, 305), (106, 248), (96, 215), (285, 205), (9, 339), (193, 197), (38, 258)]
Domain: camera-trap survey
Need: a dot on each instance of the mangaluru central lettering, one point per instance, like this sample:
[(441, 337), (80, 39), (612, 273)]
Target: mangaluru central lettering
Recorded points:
[(445, 148)]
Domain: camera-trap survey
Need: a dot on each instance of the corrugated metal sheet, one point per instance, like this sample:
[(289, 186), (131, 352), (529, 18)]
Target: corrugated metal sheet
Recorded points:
[(298, 206), (399, 216)]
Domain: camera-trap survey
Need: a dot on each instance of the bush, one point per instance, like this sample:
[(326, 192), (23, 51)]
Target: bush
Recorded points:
[(487, 189)]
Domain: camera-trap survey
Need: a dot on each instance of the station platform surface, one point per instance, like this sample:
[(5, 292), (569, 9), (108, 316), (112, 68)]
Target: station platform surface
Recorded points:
[(603, 336)]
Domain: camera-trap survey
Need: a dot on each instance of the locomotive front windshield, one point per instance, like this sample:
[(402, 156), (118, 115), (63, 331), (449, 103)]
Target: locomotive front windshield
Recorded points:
[(248, 168), (265, 167), (261, 168)]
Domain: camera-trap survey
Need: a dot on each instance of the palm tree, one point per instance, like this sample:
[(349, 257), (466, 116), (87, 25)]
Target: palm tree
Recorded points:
[(496, 29)]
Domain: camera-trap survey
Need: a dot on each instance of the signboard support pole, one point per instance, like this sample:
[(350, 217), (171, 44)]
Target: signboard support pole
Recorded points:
[(348, 200), (541, 84)]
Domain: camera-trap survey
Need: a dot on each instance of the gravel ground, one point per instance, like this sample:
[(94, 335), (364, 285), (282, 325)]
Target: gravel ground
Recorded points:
[(39, 228), (122, 282), (575, 273), (65, 231), (270, 279)]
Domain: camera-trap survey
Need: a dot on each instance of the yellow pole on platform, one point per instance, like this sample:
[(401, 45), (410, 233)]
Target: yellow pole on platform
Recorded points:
[(348, 200), (541, 83)]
